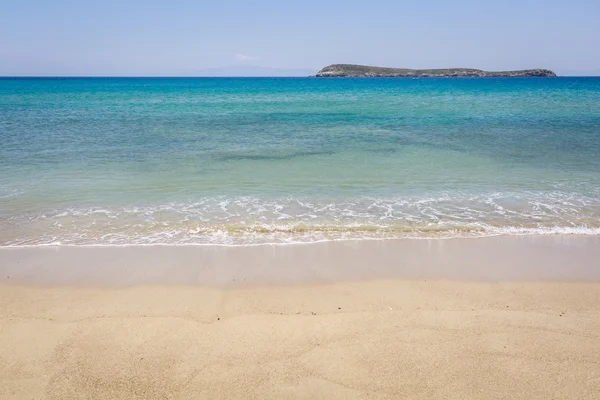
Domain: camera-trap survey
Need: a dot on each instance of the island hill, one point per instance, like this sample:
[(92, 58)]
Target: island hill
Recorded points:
[(350, 70)]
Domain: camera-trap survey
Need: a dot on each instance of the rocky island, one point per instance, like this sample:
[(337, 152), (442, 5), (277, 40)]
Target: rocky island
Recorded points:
[(350, 70)]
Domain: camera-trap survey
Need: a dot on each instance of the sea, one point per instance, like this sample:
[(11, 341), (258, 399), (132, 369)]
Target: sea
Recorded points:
[(248, 161)]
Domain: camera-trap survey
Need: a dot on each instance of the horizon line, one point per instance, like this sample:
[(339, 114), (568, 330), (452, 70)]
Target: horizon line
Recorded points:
[(224, 76)]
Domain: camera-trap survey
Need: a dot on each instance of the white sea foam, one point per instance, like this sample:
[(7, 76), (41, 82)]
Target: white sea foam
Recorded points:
[(253, 220)]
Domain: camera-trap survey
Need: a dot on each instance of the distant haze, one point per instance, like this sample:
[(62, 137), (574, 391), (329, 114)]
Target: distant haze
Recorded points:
[(293, 38), (251, 70)]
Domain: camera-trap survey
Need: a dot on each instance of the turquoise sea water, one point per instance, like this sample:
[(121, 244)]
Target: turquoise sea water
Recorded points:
[(261, 160)]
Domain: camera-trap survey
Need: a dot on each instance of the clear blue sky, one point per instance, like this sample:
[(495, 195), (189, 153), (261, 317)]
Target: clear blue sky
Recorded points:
[(180, 37)]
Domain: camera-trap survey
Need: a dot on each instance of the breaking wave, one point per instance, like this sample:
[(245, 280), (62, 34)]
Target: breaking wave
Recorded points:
[(254, 220)]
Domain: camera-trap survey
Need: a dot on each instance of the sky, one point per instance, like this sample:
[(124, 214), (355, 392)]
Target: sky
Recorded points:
[(237, 37)]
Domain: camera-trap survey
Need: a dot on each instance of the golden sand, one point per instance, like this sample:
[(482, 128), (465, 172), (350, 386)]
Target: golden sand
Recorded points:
[(383, 338), (378, 340)]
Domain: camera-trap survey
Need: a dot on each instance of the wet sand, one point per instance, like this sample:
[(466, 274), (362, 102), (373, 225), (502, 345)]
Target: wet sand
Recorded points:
[(514, 318), (509, 258)]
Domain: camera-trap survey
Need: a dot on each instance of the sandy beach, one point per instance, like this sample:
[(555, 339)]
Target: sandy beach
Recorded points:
[(405, 319), (299, 200)]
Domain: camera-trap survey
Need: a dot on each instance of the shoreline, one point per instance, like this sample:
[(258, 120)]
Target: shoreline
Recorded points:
[(504, 258), (580, 231), (594, 232)]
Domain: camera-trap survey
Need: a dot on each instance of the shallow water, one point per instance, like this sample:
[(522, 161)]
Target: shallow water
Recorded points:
[(261, 160)]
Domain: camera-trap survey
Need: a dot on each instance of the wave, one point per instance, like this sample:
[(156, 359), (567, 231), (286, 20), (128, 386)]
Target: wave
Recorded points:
[(253, 220), (251, 238)]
